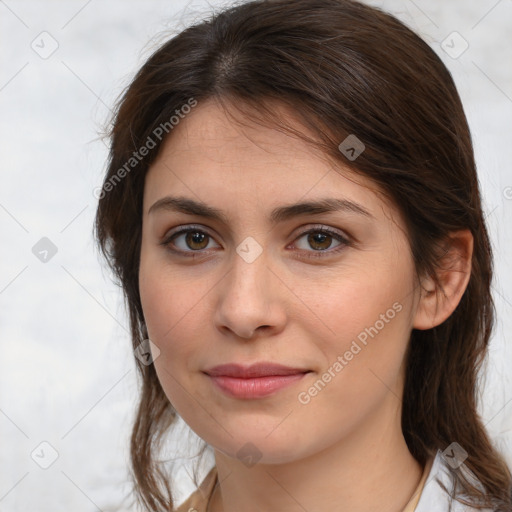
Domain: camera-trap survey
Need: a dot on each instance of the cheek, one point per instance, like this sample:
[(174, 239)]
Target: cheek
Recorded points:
[(373, 301), (170, 303), (368, 319), (169, 298), (170, 306)]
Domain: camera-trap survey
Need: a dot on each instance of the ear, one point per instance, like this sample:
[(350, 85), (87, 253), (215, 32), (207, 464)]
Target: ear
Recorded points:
[(436, 303)]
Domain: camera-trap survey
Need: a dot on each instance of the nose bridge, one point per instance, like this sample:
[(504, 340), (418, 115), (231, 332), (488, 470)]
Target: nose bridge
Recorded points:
[(248, 277), (248, 264)]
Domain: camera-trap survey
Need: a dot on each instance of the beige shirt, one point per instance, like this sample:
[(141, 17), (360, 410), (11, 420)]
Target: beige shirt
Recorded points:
[(198, 501)]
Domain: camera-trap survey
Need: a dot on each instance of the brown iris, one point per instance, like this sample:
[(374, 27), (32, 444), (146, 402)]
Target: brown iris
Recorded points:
[(194, 237), (319, 238)]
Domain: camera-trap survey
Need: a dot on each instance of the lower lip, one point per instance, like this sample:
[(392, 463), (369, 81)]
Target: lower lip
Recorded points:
[(258, 387)]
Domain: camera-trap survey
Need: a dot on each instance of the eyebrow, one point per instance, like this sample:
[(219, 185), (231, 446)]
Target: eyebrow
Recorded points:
[(279, 214)]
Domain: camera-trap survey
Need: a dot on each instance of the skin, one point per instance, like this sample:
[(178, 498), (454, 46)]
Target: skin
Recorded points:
[(344, 450)]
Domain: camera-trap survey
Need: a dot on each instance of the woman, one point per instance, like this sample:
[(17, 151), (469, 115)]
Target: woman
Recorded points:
[(293, 212)]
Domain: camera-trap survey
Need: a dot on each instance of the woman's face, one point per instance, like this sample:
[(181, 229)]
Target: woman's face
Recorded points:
[(335, 309)]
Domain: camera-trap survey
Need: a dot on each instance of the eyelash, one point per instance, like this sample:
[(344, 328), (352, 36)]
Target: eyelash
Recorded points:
[(345, 242)]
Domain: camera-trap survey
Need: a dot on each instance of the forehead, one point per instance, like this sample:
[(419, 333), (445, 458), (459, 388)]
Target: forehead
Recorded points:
[(209, 132), (211, 156)]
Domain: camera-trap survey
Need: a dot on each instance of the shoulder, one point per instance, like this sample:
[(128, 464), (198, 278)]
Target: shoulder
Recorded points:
[(198, 500), (434, 497)]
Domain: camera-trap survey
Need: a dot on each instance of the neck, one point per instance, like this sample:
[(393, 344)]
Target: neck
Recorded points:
[(372, 469)]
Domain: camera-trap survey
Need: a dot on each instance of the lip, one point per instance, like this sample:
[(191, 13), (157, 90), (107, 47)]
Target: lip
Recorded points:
[(255, 381)]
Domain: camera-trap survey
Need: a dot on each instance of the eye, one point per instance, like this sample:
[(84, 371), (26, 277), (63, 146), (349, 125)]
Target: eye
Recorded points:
[(187, 240), (321, 239), (193, 241)]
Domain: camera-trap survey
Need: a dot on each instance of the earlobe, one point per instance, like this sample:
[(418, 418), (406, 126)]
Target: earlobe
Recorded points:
[(437, 303)]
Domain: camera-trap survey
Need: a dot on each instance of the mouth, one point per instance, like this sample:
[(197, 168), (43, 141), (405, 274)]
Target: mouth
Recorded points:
[(256, 381)]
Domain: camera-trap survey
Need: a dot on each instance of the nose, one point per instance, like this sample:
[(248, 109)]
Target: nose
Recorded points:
[(250, 299)]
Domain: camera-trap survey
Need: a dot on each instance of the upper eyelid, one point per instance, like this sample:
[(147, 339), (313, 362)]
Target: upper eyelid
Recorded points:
[(307, 227)]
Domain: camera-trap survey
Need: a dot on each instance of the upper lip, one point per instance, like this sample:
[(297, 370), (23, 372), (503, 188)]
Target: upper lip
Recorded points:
[(263, 369)]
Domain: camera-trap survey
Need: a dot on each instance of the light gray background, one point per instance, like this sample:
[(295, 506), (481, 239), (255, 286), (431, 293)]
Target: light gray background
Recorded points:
[(67, 375)]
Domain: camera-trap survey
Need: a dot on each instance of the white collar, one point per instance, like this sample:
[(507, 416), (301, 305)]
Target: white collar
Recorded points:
[(434, 497)]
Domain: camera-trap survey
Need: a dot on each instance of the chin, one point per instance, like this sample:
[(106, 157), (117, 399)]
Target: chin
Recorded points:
[(261, 443)]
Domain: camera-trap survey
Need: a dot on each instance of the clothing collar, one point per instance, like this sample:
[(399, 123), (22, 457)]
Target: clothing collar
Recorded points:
[(434, 497)]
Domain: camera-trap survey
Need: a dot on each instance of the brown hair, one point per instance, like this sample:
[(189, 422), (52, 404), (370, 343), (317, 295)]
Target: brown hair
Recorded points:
[(344, 68)]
